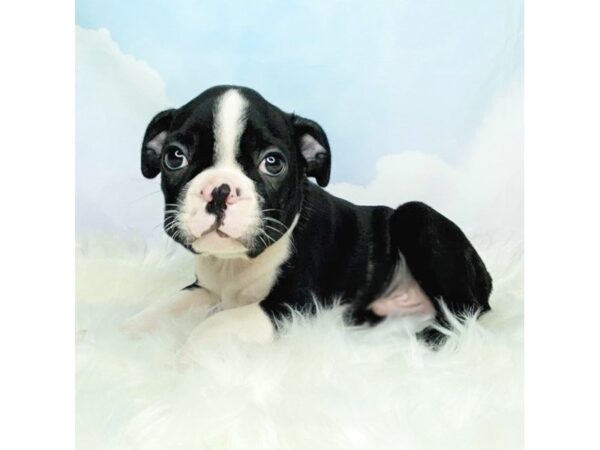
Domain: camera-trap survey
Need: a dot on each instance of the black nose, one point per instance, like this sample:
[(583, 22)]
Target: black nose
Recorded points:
[(218, 204)]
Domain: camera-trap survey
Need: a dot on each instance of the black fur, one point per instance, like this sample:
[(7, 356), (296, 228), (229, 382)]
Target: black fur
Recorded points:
[(341, 251), (336, 241)]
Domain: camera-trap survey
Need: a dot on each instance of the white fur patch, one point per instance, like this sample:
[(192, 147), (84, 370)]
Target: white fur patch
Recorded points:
[(240, 281), (194, 303), (229, 124), (247, 323)]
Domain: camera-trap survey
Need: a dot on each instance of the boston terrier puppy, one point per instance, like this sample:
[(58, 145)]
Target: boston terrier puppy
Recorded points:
[(235, 175)]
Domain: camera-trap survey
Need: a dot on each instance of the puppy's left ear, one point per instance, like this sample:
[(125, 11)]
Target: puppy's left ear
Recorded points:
[(154, 140), (314, 146)]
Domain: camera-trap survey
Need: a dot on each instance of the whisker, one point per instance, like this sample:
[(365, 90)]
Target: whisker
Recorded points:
[(269, 238), (277, 222), (271, 209), (162, 224), (274, 229), (262, 240), (171, 226)]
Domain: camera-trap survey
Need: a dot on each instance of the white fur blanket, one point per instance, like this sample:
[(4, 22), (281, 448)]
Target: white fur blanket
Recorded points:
[(319, 386)]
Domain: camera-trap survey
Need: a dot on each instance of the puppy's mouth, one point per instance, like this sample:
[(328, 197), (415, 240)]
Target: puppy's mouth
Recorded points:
[(215, 229), (221, 234), (214, 241)]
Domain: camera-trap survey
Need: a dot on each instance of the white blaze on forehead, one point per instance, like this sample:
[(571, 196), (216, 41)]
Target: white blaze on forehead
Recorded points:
[(229, 124)]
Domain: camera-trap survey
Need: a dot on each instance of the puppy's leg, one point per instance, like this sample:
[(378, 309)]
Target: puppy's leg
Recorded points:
[(404, 297), (441, 259), (193, 301), (249, 323)]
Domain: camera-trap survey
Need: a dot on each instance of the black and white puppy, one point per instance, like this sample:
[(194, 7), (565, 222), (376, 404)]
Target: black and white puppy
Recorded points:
[(234, 173)]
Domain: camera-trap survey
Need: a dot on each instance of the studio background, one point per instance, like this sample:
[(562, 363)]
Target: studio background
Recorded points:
[(421, 100)]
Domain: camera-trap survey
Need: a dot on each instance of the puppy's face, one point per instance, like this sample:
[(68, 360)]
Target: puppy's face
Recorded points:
[(232, 167)]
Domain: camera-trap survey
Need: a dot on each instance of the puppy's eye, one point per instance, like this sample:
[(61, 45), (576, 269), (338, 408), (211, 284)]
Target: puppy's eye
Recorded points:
[(175, 158), (272, 164)]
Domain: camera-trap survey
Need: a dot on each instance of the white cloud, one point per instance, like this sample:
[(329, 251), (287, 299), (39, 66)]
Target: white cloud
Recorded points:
[(482, 192), (116, 96)]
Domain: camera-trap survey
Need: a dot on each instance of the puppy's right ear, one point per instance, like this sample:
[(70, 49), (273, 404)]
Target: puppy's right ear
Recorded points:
[(154, 140)]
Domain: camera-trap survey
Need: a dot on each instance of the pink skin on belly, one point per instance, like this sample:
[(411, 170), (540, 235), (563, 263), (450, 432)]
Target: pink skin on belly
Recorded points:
[(405, 301)]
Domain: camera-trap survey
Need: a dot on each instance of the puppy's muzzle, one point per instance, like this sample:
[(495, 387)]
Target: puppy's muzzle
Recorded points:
[(220, 203)]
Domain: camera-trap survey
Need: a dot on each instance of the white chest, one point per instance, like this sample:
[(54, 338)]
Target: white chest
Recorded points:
[(237, 282)]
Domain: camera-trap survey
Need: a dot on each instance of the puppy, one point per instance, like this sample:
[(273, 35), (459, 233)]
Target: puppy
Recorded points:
[(235, 173)]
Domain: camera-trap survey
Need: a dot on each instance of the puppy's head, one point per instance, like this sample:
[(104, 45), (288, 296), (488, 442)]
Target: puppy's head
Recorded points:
[(232, 167)]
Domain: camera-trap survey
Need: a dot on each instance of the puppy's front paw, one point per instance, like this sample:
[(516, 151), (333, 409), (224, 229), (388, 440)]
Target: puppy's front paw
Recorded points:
[(246, 323)]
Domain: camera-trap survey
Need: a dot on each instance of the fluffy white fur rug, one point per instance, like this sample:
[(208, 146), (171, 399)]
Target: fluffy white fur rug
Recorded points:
[(320, 386)]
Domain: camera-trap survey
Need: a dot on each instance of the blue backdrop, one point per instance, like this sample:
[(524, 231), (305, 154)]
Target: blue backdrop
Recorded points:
[(421, 80)]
